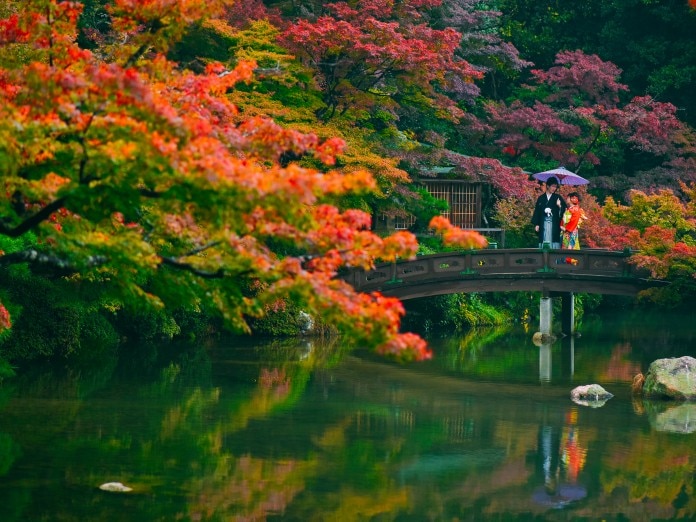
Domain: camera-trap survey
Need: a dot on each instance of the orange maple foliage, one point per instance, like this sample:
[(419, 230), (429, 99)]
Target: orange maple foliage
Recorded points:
[(143, 177), (455, 236)]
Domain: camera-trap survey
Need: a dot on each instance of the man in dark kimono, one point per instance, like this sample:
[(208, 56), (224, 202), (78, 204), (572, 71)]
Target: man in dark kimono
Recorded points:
[(548, 212)]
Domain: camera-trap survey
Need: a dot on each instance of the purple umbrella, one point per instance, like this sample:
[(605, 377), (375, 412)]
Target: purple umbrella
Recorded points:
[(563, 175)]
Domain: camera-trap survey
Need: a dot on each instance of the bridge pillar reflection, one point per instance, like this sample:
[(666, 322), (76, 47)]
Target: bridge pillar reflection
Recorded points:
[(545, 363), (568, 313), (568, 356), (567, 359)]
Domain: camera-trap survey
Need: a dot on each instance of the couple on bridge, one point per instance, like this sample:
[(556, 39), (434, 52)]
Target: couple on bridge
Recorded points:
[(555, 221)]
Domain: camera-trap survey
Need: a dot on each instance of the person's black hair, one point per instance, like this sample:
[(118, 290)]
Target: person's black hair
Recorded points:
[(574, 194), (551, 181)]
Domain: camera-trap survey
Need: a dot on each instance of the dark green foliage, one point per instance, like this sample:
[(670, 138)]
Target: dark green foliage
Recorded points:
[(431, 244), (525, 238), (471, 310), (49, 318), (172, 321), (9, 245), (94, 24), (50, 322), (460, 312), (425, 208), (9, 452), (286, 320), (202, 43), (6, 370), (146, 325), (98, 341), (196, 325), (454, 312)]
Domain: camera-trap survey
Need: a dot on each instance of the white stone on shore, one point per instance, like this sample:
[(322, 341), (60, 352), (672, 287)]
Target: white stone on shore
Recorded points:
[(115, 487)]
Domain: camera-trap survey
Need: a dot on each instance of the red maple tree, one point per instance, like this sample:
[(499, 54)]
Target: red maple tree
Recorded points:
[(377, 51)]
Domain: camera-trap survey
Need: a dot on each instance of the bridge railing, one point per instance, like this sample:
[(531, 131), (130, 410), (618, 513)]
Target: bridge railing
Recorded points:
[(490, 262)]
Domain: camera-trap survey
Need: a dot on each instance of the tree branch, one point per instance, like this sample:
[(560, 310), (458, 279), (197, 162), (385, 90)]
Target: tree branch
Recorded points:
[(175, 263), (33, 256), (33, 221), (148, 193), (36, 257), (589, 148), (152, 28)]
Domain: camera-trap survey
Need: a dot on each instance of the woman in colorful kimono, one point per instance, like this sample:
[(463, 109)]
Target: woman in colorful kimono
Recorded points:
[(572, 218)]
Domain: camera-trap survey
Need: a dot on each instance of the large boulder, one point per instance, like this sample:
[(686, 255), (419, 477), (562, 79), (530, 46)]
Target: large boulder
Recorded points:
[(673, 378), (592, 395)]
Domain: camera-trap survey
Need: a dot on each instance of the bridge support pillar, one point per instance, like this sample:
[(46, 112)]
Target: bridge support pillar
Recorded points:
[(545, 315), (568, 313)]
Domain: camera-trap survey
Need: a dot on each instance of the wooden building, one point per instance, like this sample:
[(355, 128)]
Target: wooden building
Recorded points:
[(464, 200)]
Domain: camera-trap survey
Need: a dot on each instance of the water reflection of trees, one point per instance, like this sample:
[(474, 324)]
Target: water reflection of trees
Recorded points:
[(656, 473), (293, 432)]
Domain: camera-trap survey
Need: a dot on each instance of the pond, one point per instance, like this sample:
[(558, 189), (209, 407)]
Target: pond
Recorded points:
[(304, 431)]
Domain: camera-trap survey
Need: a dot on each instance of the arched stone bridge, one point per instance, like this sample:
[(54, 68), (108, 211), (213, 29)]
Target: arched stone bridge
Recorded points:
[(507, 270)]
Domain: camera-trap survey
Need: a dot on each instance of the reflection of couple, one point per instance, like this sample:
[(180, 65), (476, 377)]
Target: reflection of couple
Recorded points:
[(560, 450), (572, 453), (556, 222)]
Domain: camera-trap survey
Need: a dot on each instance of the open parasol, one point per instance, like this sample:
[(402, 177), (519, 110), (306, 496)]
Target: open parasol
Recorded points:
[(563, 175)]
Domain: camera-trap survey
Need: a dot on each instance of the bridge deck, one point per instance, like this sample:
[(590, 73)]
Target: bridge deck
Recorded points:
[(495, 270)]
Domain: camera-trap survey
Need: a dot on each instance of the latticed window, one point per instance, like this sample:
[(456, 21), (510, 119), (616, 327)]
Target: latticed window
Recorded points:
[(464, 200), (404, 222)]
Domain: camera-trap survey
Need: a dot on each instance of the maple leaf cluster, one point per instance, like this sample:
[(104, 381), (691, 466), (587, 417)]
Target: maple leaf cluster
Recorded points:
[(164, 193), (383, 49), (574, 115), (661, 228)]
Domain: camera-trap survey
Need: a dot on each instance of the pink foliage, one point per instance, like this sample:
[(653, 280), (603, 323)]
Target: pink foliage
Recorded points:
[(577, 73), (648, 125), (240, 14), (5, 320), (540, 118), (372, 44), (539, 127), (508, 181), (582, 121)]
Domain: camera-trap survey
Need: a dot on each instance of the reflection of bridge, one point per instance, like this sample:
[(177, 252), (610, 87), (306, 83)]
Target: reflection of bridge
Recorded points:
[(551, 272)]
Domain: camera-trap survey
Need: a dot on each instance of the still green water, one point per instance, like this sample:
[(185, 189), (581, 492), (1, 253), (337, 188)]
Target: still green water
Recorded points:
[(302, 431)]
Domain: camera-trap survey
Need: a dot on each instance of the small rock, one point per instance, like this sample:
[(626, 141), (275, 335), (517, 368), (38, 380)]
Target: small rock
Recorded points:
[(592, 395), (637, 384), (539, 338), (115, 487)]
